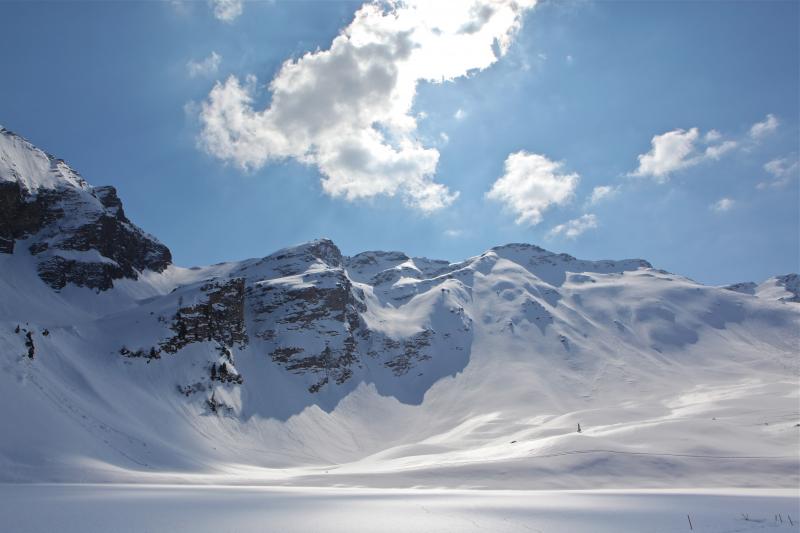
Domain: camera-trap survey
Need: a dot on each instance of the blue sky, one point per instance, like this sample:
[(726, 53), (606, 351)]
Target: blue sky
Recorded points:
[(685, 114)]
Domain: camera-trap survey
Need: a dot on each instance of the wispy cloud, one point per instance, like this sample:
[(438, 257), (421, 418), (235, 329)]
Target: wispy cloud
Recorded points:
[(205, 67), (575, 227), (602, 192), (762, 129), (347, 109), (783, 170), (531, 184), (722, 205), (718, 150), (227, 10)]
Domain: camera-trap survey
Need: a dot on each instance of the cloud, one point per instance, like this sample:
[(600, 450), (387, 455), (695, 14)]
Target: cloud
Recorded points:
[(783, 170), (680, 149), (717, 151), (779, 168), (531, 184), (602, 192), (670, 151), (347, 109), (722, 205), (574, 227), (460, 114), (759, 130), (206, 67), (453, 233), (227, 10)]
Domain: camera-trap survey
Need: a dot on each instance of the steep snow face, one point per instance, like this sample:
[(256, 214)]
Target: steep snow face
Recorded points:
[(23, 163), (310, 367)]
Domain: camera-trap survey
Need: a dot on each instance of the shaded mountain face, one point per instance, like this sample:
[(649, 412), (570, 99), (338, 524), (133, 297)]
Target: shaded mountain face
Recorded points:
[(78, 233), (308, 356)]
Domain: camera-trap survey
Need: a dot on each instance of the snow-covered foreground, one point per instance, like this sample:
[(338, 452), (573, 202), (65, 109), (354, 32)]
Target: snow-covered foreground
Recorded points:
[(131, 508)]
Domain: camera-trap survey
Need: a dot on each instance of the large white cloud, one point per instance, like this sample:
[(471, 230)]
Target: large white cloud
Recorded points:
[(531, 184), (347, 109)]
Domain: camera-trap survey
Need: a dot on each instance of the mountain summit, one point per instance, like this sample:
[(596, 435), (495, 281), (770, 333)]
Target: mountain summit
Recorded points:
[(78, 234)]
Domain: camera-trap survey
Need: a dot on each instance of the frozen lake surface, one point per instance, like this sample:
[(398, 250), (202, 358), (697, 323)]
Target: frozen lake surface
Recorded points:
[(149, 508)]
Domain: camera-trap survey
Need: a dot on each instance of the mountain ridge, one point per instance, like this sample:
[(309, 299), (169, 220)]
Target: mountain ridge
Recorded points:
[(378, 367)]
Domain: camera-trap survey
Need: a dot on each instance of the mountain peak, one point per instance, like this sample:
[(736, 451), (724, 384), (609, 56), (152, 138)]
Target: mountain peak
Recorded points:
[(77, 233), (32, 168), (319, 249)]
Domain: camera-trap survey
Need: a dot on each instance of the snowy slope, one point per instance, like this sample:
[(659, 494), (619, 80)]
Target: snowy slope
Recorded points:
[(309, 367), (782, 288)]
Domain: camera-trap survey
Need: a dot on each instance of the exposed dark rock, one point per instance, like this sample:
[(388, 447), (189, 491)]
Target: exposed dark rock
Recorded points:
[(152, 353), (326, 305), (22, 215), (218, 406), (225, 374), (29, 345), (413, 352), (220, 317), (188, 390)]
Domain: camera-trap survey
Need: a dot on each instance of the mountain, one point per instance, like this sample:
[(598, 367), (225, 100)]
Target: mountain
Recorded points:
[(78, 234), (307, 366), (782, 288)]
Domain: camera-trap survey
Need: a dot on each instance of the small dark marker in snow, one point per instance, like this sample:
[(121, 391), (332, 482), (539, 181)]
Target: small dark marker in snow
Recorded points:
[(513, 441)]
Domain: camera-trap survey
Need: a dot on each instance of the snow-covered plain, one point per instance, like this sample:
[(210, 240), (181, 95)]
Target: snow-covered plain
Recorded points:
[(221, 509)]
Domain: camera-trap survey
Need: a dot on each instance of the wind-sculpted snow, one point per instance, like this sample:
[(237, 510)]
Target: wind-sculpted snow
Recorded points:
[(310, 367)]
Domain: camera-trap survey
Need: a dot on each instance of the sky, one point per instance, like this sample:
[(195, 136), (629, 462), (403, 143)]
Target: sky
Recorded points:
[(659, 130)]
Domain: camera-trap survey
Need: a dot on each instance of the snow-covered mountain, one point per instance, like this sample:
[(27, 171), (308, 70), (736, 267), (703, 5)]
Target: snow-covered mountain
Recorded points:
[(310, 367), (782, 288)]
